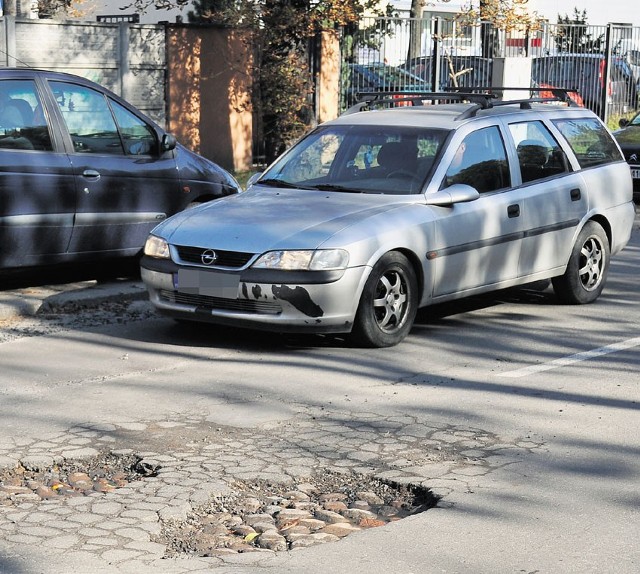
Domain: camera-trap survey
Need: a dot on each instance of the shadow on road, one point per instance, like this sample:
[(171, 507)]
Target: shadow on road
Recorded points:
[(62, 274)]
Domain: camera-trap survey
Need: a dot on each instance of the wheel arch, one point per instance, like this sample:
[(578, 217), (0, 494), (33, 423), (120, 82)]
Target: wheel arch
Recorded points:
[(604, 223), (412, 258), (417, 267)]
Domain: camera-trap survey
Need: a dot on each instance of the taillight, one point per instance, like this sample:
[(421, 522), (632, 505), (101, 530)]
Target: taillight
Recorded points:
[(399, 97)]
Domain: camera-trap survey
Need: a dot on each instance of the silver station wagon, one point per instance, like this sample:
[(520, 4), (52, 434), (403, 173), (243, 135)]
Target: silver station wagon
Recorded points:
[(383, 211)]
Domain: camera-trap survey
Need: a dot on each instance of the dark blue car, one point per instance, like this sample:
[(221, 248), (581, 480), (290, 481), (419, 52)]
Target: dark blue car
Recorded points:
[(84, 175)]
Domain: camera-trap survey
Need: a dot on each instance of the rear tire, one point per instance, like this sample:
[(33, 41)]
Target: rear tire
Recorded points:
[(588, 267), (388, 304)]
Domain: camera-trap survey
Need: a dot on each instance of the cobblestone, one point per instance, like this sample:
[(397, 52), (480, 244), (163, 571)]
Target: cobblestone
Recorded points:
[(126, 527)]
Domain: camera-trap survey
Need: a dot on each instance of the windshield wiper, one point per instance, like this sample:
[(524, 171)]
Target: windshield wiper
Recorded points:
[(332, 187), (278, 183)]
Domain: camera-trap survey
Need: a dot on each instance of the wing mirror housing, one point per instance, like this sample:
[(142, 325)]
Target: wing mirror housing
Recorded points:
[(169, 142), (457, 193)]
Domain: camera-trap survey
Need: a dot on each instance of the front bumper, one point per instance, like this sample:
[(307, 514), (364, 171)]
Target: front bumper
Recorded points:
[(242, 301)]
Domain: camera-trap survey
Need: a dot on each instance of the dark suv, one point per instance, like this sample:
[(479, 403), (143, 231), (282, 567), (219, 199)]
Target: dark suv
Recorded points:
[(585, 73), (84, 175)]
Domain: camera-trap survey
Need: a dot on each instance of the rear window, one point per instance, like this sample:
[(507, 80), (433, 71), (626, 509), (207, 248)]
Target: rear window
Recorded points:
[(590, 141)]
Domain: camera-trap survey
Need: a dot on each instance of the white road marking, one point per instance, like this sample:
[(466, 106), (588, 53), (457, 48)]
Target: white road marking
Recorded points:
[(577, 358)]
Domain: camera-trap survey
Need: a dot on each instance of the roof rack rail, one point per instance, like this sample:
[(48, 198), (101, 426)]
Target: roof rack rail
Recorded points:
[(562, 95), (483, 97), (370, 99)]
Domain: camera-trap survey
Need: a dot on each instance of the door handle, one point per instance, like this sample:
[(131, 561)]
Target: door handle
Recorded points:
[(91, 174), (513, 210), (576, 194)]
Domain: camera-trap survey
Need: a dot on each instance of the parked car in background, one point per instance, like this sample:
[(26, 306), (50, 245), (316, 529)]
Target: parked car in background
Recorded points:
[(628, 138), (378, 213), (84, 175), (380, 77), (629, 49), (455, 71), (586, 74)]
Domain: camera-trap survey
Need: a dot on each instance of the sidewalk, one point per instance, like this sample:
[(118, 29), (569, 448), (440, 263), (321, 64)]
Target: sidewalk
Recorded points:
[(28, 301)]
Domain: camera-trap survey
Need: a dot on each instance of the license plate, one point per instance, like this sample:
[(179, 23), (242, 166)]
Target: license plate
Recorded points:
[(635, 173), (208, 283)]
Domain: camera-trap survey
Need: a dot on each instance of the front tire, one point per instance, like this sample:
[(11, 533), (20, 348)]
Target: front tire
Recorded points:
[(588, 267), (388, 304)]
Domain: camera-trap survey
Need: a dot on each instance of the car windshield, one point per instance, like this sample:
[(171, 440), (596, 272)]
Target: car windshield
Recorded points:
[(359, 159), (636, 121)]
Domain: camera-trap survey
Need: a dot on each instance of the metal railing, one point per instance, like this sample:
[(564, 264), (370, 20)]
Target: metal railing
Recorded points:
[(385, 54)]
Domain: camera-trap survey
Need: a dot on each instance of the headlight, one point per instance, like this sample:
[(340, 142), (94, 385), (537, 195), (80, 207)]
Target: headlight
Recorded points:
[(156, 247), (307, 260)]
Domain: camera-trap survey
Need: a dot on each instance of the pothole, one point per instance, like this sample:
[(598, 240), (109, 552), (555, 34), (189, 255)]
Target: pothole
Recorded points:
[(103, 473), (259, 515), (262, 516)]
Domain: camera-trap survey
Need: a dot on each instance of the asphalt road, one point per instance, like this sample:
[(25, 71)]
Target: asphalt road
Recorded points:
[(556, 387)]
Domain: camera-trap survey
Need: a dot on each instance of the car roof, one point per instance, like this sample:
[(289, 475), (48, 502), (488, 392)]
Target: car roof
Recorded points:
[(451, 115), (574, 56), (18, 72)]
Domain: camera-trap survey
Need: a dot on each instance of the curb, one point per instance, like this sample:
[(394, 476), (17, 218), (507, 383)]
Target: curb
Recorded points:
[(30, 301)]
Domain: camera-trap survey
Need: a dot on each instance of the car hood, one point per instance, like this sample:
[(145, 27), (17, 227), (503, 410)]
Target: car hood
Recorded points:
[(263, 219), (628, 137), (195, 168)]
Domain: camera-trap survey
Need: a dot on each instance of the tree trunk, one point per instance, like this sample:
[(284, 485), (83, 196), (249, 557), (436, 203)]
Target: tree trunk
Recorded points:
[(415, 29), (488, 32), (10, 7)]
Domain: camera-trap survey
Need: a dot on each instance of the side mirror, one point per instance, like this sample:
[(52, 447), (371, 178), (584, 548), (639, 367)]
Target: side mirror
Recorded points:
[(623, 122), (457, 193), (169, 142)]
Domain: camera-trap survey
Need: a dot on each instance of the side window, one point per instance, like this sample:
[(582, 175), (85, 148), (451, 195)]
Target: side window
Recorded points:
[(481, 162), (22, 121), (590, 141), (138, 137), (88, 119), (539, 154)]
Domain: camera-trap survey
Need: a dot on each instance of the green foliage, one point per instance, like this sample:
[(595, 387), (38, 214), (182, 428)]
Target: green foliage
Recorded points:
[(214, 11), (572, 34)]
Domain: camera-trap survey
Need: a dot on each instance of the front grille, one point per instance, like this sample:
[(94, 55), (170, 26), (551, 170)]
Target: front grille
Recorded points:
[(208, 303), (233, 259)]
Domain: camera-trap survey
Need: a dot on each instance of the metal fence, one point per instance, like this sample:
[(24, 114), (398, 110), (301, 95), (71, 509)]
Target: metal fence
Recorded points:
[(602, 63)]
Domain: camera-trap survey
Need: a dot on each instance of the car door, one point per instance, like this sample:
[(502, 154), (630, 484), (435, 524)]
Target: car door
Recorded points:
[(37, 186), (554, 199), (477, 243), (125, 184)]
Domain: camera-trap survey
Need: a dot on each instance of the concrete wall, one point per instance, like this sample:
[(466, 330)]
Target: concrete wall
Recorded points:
[(129, 59)]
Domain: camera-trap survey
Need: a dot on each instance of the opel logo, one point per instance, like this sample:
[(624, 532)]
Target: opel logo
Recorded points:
[(208, 257)]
